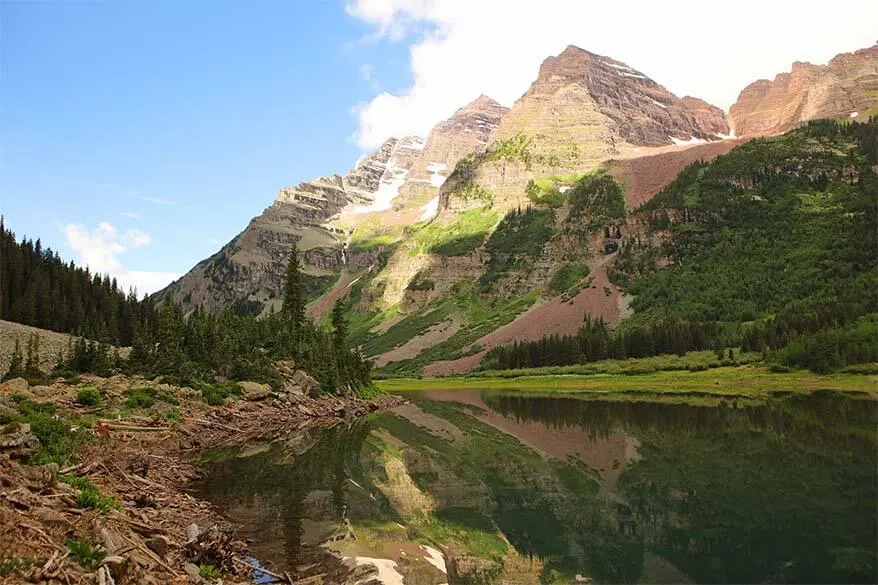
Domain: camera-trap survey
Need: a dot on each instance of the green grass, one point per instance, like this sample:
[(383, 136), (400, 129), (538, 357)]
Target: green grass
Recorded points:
[(58, 443), (567, 277), (468, 529), (480, 317), (744, 381), (456, 238)]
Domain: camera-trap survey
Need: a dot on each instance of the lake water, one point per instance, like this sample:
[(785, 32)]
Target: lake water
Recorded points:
[(490, 487)]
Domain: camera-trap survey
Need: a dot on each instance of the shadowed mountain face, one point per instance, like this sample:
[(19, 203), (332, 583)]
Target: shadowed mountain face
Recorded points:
[(846, 86), (529, 489)]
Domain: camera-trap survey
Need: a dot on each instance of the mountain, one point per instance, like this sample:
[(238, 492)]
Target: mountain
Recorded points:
[(846, 86), (599, 105), (502, 226), (467, 130), (250, 268)]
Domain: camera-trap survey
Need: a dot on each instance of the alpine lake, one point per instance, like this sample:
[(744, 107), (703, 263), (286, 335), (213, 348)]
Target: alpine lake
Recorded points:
[(492, 486)]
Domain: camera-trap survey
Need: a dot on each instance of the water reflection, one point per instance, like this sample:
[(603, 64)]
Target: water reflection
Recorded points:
[(541, 489)]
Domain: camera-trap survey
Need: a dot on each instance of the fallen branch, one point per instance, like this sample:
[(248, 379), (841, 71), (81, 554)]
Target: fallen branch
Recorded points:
[(264, 570), (152, 555)]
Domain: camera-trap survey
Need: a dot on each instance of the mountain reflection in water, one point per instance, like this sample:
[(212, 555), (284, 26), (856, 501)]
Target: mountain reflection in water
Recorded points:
[(522, 489)]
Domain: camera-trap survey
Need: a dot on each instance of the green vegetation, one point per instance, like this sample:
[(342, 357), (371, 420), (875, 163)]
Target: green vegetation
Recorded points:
[(37, 288), (209, 572), (693, 361), (772, 247), (478, 316), (88, 495), (419, 283), (467, 528), (519, 148), (749, 381), (457, 238), (517, 241), (88, 396), (88, 556), (58, 443), (567, 277), (147, 397), (217, 394), (598, 197)]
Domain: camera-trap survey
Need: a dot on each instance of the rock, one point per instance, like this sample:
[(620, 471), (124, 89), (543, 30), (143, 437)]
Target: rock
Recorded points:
[(847, 85), (255, 391), (305, 383), (118, 567), (19, 438), (43, 391), (192, 571), (53, 519), (14, 386), (112, 541), (192, 532), (159, 545)]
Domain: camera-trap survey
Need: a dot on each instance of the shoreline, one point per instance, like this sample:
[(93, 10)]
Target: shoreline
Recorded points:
[(143, 516), (741, 381)]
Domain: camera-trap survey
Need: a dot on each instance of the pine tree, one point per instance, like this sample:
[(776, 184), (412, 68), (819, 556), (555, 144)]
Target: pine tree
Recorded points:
[(294, 298), (32, 364), (16, 367)]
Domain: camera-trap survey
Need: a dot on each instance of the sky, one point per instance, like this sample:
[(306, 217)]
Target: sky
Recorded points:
[(138, 136)]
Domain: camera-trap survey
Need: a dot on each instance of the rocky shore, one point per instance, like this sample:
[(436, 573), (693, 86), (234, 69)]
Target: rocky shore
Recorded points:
[(117, 510)]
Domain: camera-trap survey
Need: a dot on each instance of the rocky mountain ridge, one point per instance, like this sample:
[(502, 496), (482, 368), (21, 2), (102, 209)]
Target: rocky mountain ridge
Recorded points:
[(411, 225), (846, 86)]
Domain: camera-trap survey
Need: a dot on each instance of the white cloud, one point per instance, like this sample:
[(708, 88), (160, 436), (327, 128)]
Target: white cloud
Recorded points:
[(131, 214), (461, 48), (100, 248)]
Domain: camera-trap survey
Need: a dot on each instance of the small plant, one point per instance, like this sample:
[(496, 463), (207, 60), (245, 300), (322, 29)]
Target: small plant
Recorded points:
[(88, 556), (88, 396), (209, 572), (9, 565), (88, 495), (173, 416)]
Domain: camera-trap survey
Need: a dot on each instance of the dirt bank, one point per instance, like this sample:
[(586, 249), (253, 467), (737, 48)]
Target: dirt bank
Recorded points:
[(124, 491)]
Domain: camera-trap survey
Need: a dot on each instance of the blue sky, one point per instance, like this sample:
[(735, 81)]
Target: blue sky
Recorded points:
[(137, 136), (173, 120)]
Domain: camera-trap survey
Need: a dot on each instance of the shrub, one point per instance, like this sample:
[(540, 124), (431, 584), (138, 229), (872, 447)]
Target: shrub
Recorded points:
[(216, 394), (88, 396), (88, 556), (147, 397)]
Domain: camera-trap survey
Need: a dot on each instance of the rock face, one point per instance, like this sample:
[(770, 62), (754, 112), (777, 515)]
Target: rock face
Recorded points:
[(846, 86), (595, 103), (251, 266), (468, 130)]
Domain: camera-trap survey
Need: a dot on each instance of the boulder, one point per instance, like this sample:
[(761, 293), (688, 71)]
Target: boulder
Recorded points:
[(304, 383), (255, 391), (43, 391), (159, 545), (53, 519), (14, 386), (118, 567)]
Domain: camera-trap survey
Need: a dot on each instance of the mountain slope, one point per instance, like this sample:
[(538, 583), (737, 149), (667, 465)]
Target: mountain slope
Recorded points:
[(846, 86)]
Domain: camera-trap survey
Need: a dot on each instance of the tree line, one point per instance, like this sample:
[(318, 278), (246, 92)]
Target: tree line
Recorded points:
[(192, 349), (37, 288)]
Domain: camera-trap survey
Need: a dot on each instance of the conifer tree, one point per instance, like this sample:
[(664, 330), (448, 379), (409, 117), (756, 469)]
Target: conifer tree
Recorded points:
[(16, 366), (294, 298)]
